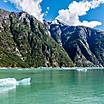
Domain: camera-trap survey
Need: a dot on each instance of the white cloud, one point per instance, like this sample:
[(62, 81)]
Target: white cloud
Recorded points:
[(71, 15), (47, 10), (30, 6), (5, 1), (91, 24)]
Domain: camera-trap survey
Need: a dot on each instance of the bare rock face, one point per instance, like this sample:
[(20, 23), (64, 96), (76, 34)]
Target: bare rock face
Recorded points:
[(26, 42), (85, 46)]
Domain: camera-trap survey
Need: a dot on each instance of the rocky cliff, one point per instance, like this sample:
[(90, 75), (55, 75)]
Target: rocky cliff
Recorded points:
[(85, 46), (26, 42)]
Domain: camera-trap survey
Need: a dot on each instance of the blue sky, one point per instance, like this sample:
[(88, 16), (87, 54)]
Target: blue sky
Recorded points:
[(55, 6), (96, 14)]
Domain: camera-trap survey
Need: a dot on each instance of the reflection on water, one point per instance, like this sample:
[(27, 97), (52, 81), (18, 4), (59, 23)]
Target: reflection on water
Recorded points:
[(56, 87)]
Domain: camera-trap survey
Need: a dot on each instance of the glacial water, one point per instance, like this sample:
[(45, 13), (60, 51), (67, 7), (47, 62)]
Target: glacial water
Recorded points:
[(54, 87)]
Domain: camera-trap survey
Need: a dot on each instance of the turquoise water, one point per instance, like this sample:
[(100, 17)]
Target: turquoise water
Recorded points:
[(55, 87)]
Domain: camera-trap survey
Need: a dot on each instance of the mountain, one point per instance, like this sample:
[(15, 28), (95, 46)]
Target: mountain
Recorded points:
[(85, 46), (26, 42)]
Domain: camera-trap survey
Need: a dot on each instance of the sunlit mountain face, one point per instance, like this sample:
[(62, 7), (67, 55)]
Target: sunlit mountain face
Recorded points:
[(27, 42)]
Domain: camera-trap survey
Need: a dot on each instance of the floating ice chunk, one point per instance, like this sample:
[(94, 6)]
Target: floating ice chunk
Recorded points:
[(8, 82), (25, 81), (81, 69)]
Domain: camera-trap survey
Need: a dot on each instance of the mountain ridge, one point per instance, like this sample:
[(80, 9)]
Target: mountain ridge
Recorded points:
[(80, 43), (26, 42)]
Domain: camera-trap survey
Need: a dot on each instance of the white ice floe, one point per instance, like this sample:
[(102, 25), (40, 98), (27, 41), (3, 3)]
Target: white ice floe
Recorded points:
[(81, 69), (25, 81), (7, 84), (13, 82)]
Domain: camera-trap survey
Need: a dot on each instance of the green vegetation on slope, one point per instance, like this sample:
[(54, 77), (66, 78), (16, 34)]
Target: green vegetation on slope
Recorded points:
[(25, 42)]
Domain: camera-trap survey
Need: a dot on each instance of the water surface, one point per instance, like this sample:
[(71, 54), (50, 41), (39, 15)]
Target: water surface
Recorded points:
[(55, 87)]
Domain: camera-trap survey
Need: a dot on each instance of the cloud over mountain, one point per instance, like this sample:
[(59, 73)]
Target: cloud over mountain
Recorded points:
[(71, 16), (30, 6)]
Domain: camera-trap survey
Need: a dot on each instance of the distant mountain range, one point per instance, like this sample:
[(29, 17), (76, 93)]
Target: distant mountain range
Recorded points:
[(85, 46), (26, 42)]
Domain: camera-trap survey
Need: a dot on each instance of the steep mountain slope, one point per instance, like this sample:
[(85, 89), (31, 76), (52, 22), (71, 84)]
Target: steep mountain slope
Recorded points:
[(85, 46), (25, 42)]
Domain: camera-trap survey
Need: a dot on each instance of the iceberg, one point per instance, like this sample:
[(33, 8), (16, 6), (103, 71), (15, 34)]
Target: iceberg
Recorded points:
[(13, 82), (81, 69), (7, 84), (25, 81)]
